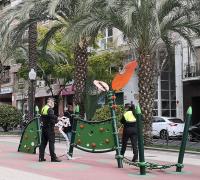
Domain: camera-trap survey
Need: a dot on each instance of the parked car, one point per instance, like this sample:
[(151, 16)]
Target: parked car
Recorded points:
[(194, 132), (165, 127)]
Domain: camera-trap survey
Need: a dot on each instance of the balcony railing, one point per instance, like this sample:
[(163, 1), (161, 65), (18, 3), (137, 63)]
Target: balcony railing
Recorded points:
[(191, 70)]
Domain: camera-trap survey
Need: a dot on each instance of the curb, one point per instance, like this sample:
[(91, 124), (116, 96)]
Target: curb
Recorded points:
[(170, 150)]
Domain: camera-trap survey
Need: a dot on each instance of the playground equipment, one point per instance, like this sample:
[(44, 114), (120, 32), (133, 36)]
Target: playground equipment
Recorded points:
[(31, 136), (95, 136), (102, 136), (147, 165)]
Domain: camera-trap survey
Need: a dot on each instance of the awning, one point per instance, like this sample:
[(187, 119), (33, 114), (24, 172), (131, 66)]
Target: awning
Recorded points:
[(68, 90)]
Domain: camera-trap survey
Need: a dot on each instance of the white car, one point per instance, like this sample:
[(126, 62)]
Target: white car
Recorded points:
[(165, 127)]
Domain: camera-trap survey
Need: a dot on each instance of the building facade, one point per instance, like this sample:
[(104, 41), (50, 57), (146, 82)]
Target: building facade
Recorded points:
[(188, 78)]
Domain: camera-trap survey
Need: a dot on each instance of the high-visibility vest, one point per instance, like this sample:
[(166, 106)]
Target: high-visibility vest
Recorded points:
[(44, 110), (129, 117)]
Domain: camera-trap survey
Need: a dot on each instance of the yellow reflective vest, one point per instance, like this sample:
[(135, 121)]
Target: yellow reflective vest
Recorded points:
[(44, 110), (129, 117)]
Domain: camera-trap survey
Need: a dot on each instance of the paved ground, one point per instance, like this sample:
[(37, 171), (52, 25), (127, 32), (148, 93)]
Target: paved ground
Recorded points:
[(87, 166)]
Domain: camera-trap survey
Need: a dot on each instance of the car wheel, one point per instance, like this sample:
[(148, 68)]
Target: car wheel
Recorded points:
[(164, 134)]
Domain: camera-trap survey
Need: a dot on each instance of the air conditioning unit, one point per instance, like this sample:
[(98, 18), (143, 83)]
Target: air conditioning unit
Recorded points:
[(41, 83)]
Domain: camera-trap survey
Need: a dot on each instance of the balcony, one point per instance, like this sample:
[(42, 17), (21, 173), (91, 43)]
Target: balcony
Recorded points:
[(191, 71)]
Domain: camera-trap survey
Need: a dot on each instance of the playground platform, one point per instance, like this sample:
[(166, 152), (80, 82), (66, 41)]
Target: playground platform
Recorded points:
[(88, 166)]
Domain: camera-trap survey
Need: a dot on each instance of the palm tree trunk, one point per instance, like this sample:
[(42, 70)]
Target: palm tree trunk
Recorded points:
[(146, 94), (32, 39), (80, 75)]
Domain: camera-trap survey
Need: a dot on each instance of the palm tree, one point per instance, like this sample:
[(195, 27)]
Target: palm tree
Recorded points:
[(62, 12), (145, 23), (32, 42)]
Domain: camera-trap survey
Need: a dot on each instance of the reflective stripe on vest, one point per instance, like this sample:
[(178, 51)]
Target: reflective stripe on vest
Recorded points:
[(45, 110), (129, 117)]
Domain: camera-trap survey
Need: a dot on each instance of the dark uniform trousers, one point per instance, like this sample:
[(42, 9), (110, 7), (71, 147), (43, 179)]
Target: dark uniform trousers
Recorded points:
[(130, 132), (48, 135)]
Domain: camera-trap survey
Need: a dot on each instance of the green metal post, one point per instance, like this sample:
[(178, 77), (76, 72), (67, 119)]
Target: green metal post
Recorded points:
[(140, 140), (114, 124), (184, 140)]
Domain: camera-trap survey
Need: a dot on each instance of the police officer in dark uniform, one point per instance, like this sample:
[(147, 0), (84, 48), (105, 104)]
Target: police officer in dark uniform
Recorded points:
[(48, 135), (130, 131)]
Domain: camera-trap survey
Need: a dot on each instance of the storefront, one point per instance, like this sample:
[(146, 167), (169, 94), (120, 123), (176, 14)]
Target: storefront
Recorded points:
[(6, 95)]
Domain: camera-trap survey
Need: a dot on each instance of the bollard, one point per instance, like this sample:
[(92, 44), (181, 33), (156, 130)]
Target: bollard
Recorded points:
[(184, 140), (140, 140)]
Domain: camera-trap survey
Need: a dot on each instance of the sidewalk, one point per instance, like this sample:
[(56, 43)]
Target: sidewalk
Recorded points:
[(87, 166)]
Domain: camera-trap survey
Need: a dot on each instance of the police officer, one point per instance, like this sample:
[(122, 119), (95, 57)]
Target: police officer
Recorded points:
[(48, 135), (130, 131)]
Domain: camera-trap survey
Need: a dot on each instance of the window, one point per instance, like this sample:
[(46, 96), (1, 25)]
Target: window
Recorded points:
[(110, 32), (165, 95), (5, 78), (173, 113), (168, 93), (165, 75), (165, 113), (165, 104), (173, 104), (107, 41), (155, 105), (155, 112), (165, 85), (173, 95)]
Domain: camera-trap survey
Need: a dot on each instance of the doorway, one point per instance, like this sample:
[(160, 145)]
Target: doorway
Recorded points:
[(195, 110)]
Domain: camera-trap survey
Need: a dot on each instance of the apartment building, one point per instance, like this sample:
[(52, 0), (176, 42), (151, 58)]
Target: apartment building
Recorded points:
[(5, 91), (188, 78)]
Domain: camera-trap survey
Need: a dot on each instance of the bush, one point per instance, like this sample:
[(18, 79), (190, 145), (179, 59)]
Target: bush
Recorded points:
[(9, 116), (104, 113)]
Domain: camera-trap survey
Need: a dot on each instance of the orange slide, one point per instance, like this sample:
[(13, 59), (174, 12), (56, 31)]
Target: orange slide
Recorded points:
[(122, 78)]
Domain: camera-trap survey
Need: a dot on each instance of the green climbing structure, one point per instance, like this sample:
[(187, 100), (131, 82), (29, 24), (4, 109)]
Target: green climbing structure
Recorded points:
[(31, 137), (94, 136), (97, 136)]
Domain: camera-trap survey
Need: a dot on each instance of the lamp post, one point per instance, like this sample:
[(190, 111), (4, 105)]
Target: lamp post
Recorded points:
[(32, 77)]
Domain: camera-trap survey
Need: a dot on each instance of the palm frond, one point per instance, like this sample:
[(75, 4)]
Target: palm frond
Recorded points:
[(49, 35)]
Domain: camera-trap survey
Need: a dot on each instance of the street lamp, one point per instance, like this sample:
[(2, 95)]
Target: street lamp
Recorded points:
[(32, 77)]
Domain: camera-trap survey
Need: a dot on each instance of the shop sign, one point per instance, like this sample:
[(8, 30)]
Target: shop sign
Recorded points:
[(6, 90)]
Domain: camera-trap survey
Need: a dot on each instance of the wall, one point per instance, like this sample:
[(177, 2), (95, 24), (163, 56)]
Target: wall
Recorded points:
[(131, 90)]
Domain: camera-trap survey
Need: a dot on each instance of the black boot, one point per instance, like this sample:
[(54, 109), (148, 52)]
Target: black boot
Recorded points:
[(42, 159), (135, 158), (55, 160)]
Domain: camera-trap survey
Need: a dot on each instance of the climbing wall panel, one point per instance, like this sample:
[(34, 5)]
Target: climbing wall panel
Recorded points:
[(94, 136), (30, 138)]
